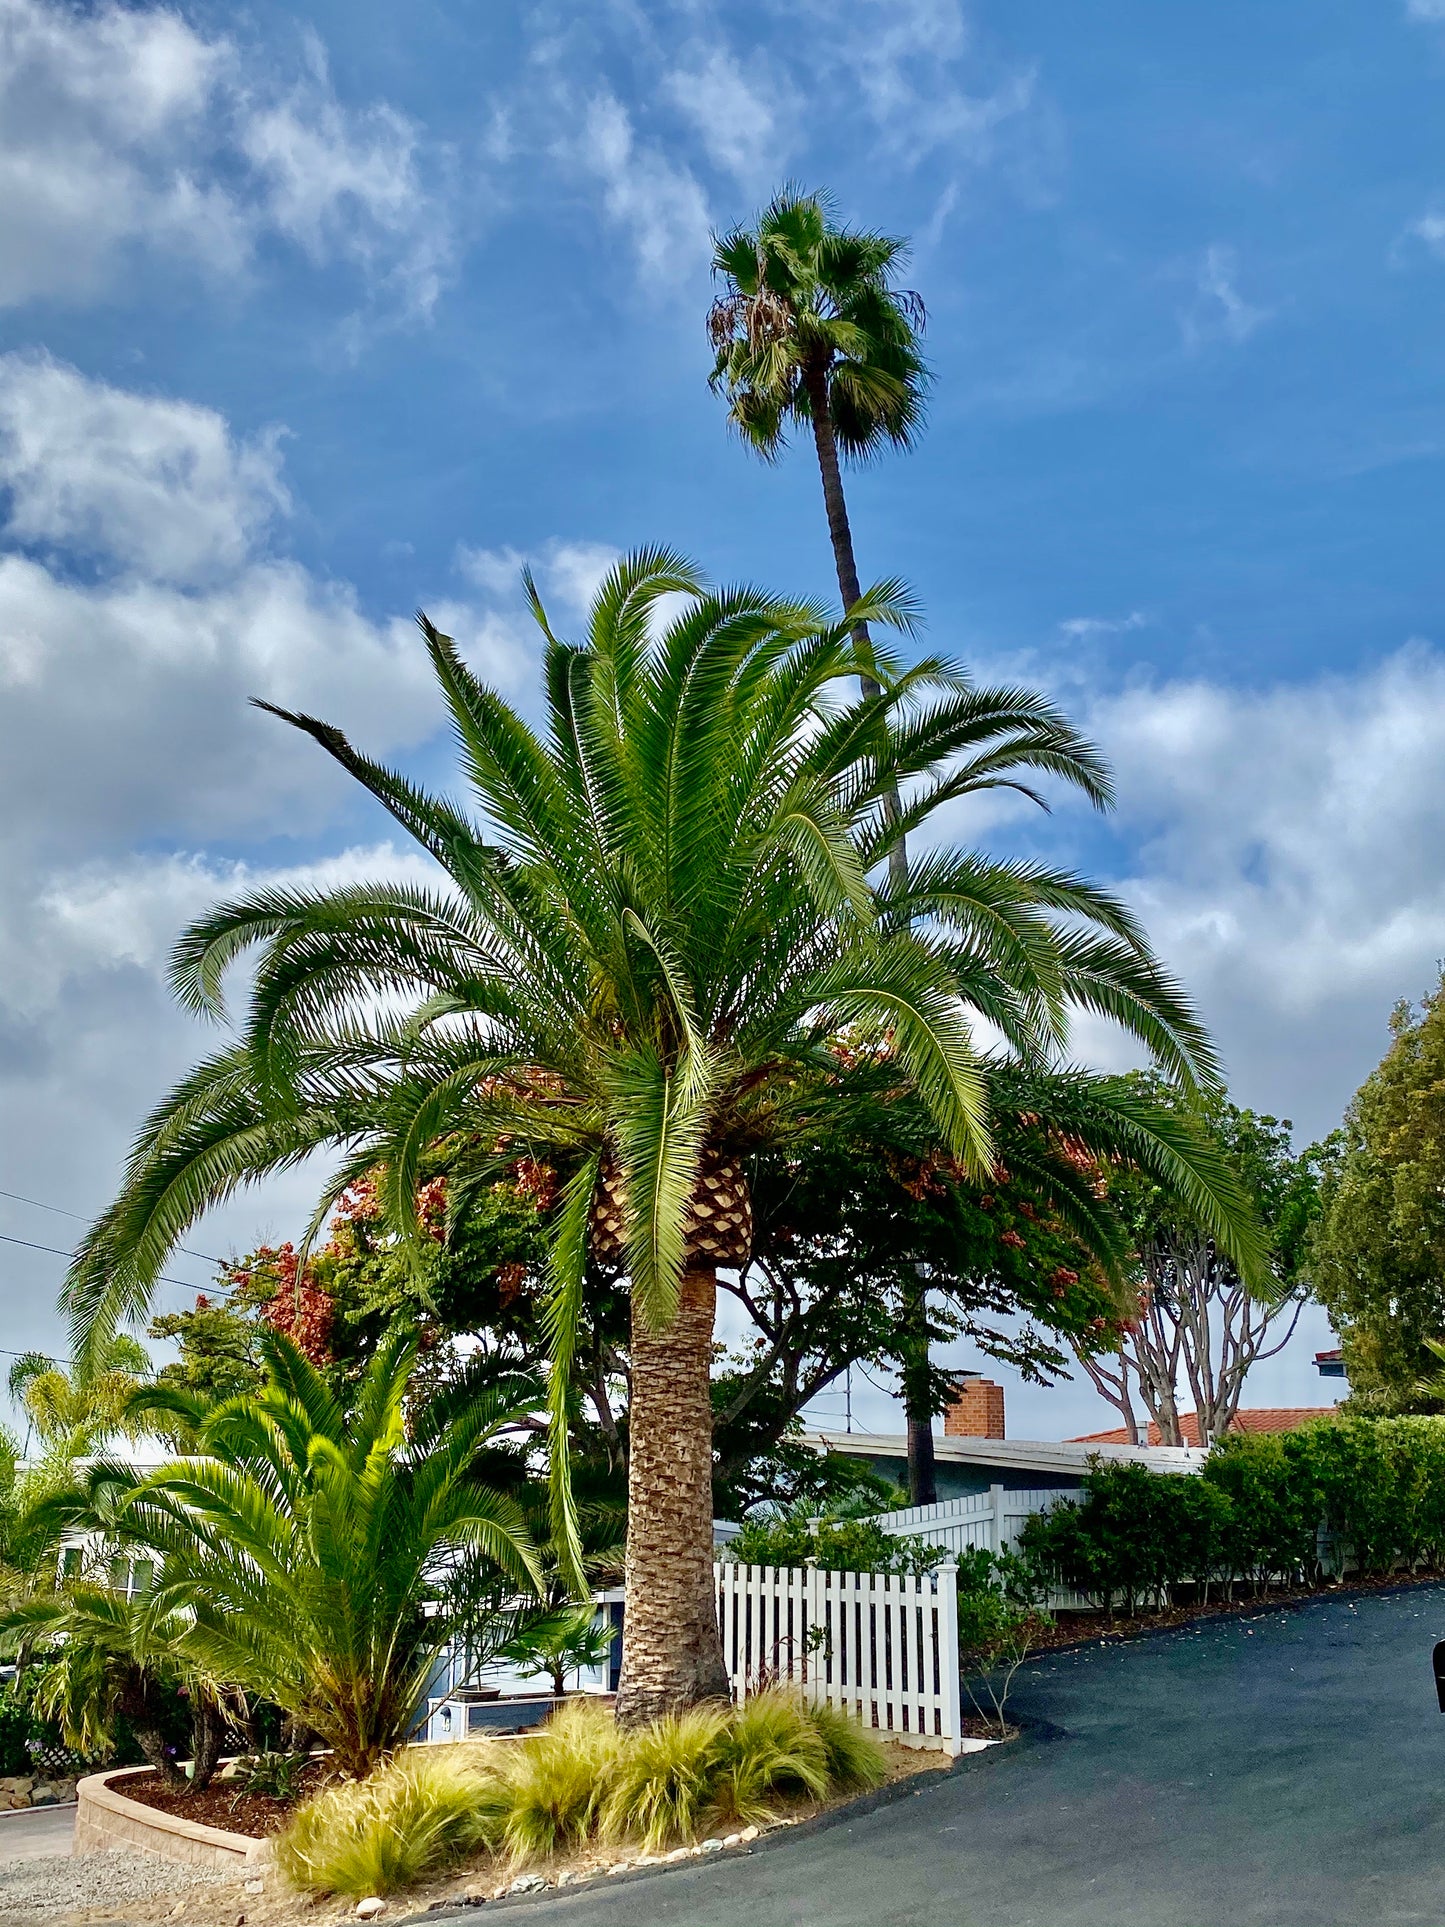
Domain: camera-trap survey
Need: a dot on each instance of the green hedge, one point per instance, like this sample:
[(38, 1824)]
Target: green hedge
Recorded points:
[(1367, 1494)]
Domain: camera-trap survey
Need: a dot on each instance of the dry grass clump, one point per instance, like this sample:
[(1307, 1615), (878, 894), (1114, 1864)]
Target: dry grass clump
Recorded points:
[(579, 1779), (410, 1819)]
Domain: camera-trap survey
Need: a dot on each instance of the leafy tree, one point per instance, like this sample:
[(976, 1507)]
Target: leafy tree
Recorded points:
[(1196, 1316), (1379, 1254), (632, 969), (303, 1543), (566, 1638)]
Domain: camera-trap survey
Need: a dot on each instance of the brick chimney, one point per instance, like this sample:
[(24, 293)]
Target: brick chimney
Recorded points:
[(975, 1411)]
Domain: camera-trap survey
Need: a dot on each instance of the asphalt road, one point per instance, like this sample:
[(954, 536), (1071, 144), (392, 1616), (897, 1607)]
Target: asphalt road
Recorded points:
[(33, 1832), (1282, 1770)]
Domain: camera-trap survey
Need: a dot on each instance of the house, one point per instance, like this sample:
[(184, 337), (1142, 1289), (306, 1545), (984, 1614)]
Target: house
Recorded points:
[(973, 1455), (1266, 1418)]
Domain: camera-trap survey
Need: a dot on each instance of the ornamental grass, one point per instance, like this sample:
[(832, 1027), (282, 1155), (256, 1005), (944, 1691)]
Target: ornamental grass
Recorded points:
[(580, 1780)]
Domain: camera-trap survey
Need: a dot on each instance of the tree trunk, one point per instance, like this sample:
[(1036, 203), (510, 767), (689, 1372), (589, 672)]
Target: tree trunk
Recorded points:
[(917, 1405), (208, 1733), (671, 1653)]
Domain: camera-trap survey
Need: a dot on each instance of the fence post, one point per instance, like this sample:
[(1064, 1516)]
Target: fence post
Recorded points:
[(995, 1494), (950, 1689)]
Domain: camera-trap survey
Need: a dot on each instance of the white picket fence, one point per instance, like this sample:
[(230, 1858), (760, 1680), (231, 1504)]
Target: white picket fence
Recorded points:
[(992, 1519), (881, 1646)]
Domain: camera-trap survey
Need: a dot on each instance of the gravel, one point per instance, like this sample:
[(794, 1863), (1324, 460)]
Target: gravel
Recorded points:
[(35, 1891)]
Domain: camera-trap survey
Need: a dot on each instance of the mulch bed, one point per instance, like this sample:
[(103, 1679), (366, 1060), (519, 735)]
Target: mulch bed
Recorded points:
[(219, 1804), (977, 1728), (1082, 1629)]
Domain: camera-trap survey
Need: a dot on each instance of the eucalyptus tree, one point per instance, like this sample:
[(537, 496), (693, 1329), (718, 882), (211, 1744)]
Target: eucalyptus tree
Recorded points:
[(642, 948)]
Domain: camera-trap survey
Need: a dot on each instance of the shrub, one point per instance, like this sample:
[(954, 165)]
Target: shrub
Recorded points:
[(1133, 1535), (412, 1817), (555, 1783), (995, 1637), (855, 1759), (838, 1545), (771, 1745)]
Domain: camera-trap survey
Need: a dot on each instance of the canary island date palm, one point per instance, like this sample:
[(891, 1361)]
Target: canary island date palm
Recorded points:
[(644, 939)]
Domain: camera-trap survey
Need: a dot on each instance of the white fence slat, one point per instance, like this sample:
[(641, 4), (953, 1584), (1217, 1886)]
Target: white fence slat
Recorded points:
[(883, 1646)]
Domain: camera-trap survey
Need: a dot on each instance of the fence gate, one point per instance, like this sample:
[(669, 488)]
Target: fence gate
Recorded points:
[(882, 1646)]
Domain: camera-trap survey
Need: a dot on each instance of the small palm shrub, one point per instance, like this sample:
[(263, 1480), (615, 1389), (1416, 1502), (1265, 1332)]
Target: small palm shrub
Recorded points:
[(666, 1777), (412, 1817)]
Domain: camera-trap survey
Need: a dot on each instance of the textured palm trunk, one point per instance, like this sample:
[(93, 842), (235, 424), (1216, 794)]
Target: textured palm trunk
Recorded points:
[(671, 1654)]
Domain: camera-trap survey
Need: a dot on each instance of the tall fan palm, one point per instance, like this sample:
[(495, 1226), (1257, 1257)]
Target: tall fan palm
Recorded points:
[(811, 330), (635, 963)]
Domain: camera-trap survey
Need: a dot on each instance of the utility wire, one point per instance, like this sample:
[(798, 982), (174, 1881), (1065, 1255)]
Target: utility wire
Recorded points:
[(211, 1291), (80, 1218)]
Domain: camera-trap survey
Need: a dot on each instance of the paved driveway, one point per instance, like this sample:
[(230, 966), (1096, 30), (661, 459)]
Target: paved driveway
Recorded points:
[(1284, 1770), (36, 1831)]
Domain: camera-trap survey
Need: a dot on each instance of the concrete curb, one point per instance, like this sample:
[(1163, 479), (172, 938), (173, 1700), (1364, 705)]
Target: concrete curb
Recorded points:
[(105, 1819)]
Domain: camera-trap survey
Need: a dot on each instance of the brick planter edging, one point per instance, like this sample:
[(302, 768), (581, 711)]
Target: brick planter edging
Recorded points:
[(106, 1819)]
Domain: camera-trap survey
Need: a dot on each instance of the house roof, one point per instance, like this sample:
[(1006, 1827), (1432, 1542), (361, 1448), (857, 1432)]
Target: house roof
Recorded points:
[(1070, 1456), (1260, 1418)]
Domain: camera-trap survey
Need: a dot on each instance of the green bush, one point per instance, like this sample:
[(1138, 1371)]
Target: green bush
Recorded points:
[(409, 1819), (838, 1545), (1365, 1495), (579, 1779)]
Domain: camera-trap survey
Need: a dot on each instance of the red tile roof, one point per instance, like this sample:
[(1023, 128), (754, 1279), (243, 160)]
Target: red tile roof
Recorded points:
[(1261, 1418)]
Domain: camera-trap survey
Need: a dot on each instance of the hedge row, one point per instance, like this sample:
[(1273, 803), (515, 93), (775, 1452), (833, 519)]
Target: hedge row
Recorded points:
[(1366, 1495)]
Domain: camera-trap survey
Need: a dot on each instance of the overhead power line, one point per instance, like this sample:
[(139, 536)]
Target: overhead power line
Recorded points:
[(211, 1291), (80, 1218)]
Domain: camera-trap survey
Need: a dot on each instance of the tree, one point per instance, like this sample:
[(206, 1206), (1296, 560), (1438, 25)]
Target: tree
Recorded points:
[(633, 967), (111, 1659), (1196, 1316), (1378, 1259), (810, 331), (303, 1544), (72, 1413)]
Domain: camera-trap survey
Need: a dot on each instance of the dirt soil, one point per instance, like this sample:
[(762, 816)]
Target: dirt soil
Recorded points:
[(482, 1878), (220, 1804)]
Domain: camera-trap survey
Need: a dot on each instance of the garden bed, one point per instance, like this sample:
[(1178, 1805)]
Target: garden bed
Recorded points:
[(1083, 1629), (220, 1804)]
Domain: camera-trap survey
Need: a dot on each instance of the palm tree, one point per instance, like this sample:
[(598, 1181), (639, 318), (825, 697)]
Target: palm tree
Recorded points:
[(304, 1546), (636, 964), (110, 1659), (811, 330), (73, 1413)]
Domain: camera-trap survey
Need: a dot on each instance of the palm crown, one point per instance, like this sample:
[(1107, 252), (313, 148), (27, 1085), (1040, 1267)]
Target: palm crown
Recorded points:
[(638, 958), (810, 311)]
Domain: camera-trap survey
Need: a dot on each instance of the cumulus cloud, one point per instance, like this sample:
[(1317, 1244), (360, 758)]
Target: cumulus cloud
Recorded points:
[(569, 573), (126, 129), (160, 486), (1290, 861)]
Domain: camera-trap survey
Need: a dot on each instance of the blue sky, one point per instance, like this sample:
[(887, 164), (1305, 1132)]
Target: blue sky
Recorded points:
[(312, 314)]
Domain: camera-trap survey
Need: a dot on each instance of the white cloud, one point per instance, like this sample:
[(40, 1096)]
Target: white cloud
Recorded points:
[(739, 119), (155, 485), (1425, 9), (905, 59), (1086, 628), (126, 128), (1291, 861), (569, 573), (656, 201), (1220, 309)]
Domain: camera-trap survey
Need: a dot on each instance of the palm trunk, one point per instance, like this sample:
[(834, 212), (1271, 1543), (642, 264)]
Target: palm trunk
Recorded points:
[(671, 1653), (917, 1404), (922, 1479)]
